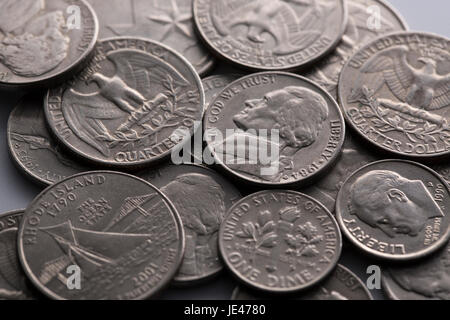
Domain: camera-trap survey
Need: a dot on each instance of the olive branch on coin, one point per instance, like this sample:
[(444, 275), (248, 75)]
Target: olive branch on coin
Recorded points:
[(261, 233), (388, 116), (167, 102)]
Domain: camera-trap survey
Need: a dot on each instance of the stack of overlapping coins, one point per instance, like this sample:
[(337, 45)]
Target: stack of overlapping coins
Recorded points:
[(177, 138)]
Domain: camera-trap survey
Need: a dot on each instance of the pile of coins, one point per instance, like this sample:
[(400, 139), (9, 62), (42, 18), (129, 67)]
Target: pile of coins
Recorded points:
[(179, 138)]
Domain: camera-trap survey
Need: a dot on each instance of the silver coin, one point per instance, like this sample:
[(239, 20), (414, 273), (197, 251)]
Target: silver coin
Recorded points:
[(270, 34), (101, 235), (342, 284), (44, 42), (280, 241), (426, 280), (13, 282), (354, 156), (274, 129), (367, 20), (169, 22), (125, 109), (201, 197), (395, 210), (213, 85), (32, 148), (395, 93)]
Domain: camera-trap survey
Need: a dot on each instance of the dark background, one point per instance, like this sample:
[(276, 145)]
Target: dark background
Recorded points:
[(16, 191)]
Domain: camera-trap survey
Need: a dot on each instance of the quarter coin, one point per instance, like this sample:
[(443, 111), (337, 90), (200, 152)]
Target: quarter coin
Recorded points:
[(362, 27), (395, 210), (128, 107), (44, 42), (101, 235), (201, 197), (395, 93), (280, 241), (274, 129), (270, 34), (33, 149), (169, 22), (342, 284)]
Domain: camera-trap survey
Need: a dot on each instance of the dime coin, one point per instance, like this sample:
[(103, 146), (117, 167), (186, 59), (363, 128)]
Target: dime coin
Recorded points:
[(106, 234), (395, 93), (426, 280), (270, 34), (213, 85), (13, 282), (342, 284), (353, 157), (169, 22), (274, 129), (280, 241), (125, 109), (394, 209), (44, 42), (33, 149), (201, 197), (361, 28)]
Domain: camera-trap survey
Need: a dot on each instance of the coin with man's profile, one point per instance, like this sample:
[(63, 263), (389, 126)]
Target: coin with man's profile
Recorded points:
[(125, 108), (428, 279), (213, 85), (280, 241), (202, 197), (274, 129), (43, 43), (395, 210), (101, 235)]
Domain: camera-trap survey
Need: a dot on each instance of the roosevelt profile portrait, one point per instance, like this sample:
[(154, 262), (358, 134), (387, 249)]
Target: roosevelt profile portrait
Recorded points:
[(385, 200)]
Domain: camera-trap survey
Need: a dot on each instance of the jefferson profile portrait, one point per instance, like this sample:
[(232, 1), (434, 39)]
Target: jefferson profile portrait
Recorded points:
[(297, 113), (394, 204)]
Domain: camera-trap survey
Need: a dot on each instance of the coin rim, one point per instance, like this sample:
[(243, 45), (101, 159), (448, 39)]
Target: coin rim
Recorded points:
[(75, 66), (300, 288), (297, 182), (238, 288), (296, 67), (390, 257), (14, 158), (112, 163), (193, 280), (344, 105), (154, 291)]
